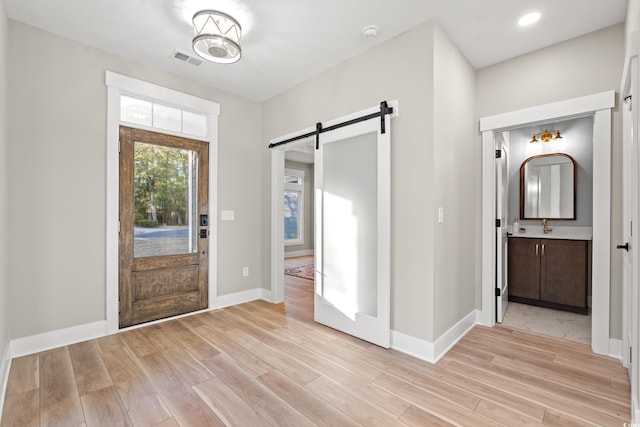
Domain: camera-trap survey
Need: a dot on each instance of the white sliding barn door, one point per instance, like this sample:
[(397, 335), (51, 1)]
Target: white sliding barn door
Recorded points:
[(352, 226)]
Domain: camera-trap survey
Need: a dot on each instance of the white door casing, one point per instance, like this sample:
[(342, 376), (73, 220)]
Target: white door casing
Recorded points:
[(118, 85)]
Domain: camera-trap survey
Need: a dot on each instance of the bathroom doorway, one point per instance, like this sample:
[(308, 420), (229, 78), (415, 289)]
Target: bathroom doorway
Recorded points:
[(563, 194), (598, 107)]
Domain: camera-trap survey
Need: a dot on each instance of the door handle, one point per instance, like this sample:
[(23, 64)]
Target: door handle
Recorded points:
[(536, 249), (625, 246)]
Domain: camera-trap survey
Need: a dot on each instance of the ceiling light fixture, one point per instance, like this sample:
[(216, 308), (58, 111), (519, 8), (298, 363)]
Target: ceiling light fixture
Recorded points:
[(216, 36), (529, 18), (545, 136)]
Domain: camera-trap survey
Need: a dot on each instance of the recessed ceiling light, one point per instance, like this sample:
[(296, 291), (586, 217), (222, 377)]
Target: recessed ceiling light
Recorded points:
[(529, 18)]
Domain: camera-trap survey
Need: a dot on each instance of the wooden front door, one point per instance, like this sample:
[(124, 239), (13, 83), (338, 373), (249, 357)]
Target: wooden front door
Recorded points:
[(164, 226)]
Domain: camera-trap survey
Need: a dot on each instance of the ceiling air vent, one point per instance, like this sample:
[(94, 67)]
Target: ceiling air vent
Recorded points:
[(183, 57)]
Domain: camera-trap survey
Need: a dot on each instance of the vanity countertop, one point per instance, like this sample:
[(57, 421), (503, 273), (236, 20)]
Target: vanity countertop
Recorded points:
[(558, 232)]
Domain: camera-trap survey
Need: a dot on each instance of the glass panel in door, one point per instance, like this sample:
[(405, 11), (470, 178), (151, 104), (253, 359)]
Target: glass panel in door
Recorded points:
[(165, 193)]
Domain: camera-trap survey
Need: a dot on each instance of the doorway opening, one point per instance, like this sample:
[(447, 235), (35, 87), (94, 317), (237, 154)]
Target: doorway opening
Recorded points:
[(145, 106), (352, 221), (298, 222), (550, 180), (164, 226), (597, 106)]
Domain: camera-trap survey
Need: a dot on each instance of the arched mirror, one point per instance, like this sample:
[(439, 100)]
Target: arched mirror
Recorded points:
[(548, 187)]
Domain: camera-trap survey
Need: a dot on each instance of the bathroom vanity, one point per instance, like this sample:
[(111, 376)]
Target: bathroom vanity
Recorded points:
[(549, 266), (550, 270)]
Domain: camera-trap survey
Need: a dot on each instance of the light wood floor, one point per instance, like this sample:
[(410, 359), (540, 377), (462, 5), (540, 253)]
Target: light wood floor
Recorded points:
[(260, 364)]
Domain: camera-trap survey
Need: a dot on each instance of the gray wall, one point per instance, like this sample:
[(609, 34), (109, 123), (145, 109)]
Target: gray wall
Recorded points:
[(632, 22), (4, 188), (58, 180), (456, 166), (308, 206), (564, 71), (577, 142), (430, 166)]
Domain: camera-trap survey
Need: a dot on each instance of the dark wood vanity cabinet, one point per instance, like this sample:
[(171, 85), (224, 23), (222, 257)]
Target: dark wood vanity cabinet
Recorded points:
[(524, 269), (549, 272)]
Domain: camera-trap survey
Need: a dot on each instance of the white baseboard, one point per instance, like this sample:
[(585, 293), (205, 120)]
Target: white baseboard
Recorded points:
[(298, 253), (267, 295), (61, 337), (615, 348), (58, 338), (433, 351), (413, 346), (5, 367), (635, 413), (236, 298), (455, 333)]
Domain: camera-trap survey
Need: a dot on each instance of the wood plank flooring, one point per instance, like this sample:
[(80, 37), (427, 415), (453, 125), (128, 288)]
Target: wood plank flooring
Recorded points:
[(260, 364)]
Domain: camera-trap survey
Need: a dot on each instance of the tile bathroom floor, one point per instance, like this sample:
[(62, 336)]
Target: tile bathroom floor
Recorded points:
[(546, 321)]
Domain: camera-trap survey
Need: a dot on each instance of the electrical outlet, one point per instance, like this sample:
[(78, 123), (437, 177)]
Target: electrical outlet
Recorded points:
[(245, 271)]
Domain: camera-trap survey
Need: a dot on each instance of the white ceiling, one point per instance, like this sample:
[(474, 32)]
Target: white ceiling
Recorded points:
[(289, 41)]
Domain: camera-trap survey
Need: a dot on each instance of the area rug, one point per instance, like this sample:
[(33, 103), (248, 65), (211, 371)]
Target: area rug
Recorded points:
[(304, 271)]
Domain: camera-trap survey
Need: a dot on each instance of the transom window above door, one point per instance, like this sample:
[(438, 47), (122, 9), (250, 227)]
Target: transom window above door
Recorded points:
[(158, 116)]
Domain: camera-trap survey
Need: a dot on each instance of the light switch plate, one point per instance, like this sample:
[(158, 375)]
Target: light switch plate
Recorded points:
[(440, 215), (227, 215)]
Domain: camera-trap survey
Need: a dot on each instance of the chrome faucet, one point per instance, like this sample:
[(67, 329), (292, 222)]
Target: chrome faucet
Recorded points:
[(546, 228)]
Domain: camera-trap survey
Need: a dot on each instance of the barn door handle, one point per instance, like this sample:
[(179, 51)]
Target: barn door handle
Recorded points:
[(625, 246)]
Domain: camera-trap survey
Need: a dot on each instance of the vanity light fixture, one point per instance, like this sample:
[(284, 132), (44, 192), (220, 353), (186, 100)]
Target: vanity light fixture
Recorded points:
[(545, 136), (216, 37)]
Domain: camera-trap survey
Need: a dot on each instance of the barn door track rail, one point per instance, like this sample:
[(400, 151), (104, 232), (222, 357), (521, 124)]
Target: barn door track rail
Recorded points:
[(384, 110)]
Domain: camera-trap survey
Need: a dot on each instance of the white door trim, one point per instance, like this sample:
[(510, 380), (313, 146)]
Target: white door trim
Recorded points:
[(118, 84), (599, 106)]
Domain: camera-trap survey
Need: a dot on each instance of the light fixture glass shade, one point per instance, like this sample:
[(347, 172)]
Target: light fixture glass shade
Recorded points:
[(216, 37), (546, 136)]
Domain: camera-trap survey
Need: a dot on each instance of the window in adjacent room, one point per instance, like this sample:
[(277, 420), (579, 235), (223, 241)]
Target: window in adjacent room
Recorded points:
[(293, 207)]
